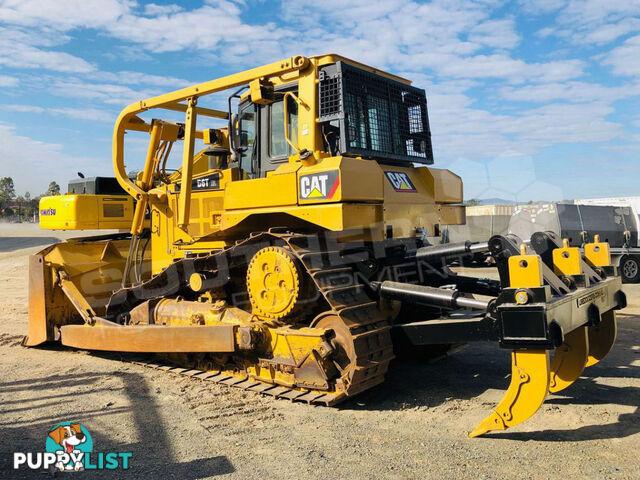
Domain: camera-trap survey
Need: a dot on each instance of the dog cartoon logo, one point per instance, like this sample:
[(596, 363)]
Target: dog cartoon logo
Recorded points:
[(69, 447), (70, 442)]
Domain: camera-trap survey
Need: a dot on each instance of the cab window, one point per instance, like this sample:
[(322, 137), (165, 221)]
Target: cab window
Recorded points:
[(247, 122), (278, 146)]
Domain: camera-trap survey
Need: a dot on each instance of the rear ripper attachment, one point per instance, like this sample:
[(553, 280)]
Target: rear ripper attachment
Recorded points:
[(553, 300)]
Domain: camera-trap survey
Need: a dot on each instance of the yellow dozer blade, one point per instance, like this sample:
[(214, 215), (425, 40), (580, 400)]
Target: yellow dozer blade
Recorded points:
[(71, 281)]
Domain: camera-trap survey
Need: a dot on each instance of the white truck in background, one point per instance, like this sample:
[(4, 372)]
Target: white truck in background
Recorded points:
[(615, 220), (626, 257)]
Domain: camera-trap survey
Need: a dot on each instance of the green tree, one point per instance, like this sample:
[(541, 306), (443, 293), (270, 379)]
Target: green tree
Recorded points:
[(29, 205), (7, 191), (20, 203), (54, 189), (472, 202), (32, 205)]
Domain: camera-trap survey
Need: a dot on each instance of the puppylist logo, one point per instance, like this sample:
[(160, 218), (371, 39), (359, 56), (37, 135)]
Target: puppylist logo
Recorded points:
[(69, 447)]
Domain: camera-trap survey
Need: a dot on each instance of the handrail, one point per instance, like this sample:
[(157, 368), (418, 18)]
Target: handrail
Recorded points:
[(285, 111), (171, 99)]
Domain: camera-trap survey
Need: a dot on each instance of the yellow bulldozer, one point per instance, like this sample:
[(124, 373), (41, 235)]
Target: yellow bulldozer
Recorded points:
[(294, 251)]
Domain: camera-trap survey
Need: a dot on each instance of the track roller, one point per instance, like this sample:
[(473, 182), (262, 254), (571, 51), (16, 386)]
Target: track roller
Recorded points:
[(529, 386)]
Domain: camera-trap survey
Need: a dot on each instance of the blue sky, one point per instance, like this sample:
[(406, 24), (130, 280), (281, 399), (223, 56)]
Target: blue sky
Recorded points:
[(528, 99)]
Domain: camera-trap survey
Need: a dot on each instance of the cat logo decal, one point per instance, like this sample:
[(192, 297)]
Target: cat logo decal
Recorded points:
[(400, 182), (319, 186)]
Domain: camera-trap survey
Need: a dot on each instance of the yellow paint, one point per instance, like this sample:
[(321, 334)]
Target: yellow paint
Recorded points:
[(528, 388), (95, 270), (272, 191), (291, 359), (86, 212), (569, 360), (598, 253), (184, 199), (566, 260), (525, 271), (273, 282), (199, 214)]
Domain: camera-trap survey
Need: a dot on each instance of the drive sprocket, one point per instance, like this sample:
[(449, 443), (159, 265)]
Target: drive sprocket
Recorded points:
[(274, 283)]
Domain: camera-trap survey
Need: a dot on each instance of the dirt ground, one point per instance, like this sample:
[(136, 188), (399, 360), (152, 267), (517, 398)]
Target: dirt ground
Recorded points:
[(413, 426)]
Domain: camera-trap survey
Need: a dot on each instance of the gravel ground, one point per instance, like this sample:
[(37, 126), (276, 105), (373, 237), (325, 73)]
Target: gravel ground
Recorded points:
[(413, 426)]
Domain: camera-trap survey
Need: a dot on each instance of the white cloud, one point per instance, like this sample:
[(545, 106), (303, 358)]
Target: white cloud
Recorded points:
[(541, 7), (47, 162), (391, 33), (153, 10), (560, 123), (625, 59), (208, 27), (108, 93), (612, 31), (8, 81), (501, 66), (462, 129), (499, 33), (444, 37), (575, 92), (593, 12), (595, 22), (139, 78), (91, 114), (19, 49), (22, 108), (63, 15), (449, 37), (25, 56)]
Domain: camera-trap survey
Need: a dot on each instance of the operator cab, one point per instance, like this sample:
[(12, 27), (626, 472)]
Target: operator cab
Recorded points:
[(360, 113), (261, 142)]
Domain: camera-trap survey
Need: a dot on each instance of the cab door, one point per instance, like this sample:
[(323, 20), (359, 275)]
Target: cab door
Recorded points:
[(249, 140), (274, 148), (263, 148)]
